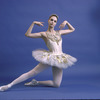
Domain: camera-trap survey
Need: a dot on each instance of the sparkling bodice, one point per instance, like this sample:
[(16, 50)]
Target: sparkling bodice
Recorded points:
[(54, 43)]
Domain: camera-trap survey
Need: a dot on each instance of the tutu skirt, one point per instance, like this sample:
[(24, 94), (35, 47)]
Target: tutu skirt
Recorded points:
[(58, 60)]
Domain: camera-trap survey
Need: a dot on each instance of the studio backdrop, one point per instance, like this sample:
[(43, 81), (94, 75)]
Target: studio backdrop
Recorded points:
[(16, 49)]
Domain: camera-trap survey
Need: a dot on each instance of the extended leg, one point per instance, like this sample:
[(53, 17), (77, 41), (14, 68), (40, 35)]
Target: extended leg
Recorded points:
[(57, 78), (40, 67)]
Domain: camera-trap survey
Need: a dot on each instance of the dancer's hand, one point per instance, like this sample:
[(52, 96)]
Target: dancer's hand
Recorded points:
[(62, 25), (38, 23)]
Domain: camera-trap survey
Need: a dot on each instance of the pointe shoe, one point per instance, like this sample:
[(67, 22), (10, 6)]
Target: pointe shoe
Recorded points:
[(32, 83), (4, 88)]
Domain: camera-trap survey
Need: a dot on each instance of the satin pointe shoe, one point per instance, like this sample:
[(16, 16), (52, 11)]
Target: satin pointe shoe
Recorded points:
[(32, 83)]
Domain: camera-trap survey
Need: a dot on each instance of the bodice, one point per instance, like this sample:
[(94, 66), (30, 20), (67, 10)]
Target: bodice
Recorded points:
[(54, 43), (54, 57)]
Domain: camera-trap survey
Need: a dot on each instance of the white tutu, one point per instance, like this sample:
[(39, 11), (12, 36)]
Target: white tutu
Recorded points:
[(55, 56), (59, 60)]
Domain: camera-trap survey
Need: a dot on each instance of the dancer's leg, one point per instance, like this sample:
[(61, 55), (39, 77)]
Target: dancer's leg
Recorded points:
[(40, 67), (57, 78)]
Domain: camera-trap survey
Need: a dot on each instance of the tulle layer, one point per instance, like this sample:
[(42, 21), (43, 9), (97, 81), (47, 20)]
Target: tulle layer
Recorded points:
[(59, 60)]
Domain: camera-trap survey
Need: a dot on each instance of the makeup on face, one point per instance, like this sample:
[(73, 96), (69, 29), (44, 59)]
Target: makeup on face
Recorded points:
[(53, 20)]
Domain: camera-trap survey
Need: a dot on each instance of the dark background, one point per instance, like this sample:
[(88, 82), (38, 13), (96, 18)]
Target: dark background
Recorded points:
[(81, 80)]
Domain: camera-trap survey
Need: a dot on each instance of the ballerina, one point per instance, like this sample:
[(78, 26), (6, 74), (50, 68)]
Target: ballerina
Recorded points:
[(54, 57)]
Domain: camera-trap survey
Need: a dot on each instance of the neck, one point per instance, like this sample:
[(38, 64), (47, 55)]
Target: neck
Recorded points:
[(51, 29)]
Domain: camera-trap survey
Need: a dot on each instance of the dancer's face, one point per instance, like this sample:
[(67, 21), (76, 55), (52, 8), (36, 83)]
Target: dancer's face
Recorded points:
[(52, 21)]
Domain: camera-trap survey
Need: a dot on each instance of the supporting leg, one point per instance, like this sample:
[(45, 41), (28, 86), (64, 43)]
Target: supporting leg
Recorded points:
[(57, 78)]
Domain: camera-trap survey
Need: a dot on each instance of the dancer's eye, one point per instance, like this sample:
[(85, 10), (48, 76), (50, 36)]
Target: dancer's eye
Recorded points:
[(55, 21), (51, 19)]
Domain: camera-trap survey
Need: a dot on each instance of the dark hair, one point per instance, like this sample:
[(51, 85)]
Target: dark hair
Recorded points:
[(53, 15)]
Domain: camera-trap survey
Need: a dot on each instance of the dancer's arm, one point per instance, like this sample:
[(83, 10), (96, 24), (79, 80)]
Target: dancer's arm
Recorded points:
[(34, 35), (66, 31)]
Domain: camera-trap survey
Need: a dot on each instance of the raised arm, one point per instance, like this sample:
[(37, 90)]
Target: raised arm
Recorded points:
[(66, 31), (34, 35)]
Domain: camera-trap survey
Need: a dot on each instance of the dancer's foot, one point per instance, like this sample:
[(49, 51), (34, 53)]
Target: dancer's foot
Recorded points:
[(32, 83), (4, 88)]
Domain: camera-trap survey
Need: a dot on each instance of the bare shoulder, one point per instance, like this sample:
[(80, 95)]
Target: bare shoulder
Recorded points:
[(58, 31), (43, 34)]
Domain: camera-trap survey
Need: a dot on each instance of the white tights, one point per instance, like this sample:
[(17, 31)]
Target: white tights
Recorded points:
[(57, 77)]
